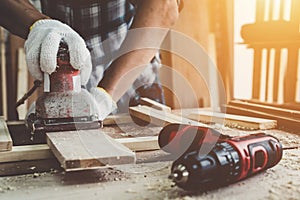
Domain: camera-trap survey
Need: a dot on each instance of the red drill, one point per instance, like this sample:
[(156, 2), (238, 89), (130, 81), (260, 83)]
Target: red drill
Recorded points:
[(229, 161)]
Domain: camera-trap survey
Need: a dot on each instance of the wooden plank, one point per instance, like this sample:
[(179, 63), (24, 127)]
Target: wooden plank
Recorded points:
[(282, 122), (154, 104), (42, 151), (15, 43), (26, 153), (5, 139), (290, 106), (160, 118), (87, 149), (123, 118), (290, 76), (256, 84), (22, 85), (236, 121), (3, 75), (276, 74), (268, 109)]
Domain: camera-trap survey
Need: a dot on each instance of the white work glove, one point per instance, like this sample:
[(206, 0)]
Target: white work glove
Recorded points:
[(103, 101), (42, 45)]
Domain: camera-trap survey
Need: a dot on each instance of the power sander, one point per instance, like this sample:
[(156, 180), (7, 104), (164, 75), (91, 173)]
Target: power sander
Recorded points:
[(64, 105)]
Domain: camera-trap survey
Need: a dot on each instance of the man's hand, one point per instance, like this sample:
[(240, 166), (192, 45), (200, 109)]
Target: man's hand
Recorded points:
[(103, 101), (42, 45)]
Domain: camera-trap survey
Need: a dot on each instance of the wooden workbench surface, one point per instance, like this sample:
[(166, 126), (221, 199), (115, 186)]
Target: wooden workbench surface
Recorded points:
[(148, 179)]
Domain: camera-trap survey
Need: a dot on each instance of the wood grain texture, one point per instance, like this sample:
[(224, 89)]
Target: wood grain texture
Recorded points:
[(26, 153), (285, 123), (154, 104), (122, 118), (3, 109), (81, 149), (160, 118), (5, 139), (267, 108), (42, 151), (236, 121)]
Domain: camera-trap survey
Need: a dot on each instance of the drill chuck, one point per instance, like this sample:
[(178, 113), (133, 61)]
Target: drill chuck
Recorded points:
[(179, 174)]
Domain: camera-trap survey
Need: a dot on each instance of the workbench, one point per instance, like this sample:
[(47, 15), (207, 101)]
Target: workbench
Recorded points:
[(148, 178)]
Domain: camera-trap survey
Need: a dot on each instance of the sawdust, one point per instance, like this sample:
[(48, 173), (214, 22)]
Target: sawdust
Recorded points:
[(148, 180)]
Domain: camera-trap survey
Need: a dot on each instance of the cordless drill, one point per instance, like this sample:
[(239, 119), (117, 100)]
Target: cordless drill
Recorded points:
[(230, 160)]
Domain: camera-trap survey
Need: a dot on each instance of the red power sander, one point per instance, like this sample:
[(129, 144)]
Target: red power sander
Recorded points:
[(64, 105)]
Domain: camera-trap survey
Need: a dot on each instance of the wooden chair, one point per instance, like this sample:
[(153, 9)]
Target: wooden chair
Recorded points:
[(274, 38)]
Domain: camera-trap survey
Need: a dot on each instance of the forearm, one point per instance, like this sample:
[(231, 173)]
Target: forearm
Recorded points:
[(153, 14), (18, 15)]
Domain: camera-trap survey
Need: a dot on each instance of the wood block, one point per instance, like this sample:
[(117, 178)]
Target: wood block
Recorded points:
[(237, 121), (5, 139), (87, 149), (160, 118)]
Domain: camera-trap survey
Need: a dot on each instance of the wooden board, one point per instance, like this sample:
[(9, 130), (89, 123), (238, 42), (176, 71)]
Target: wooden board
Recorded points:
[(27, 153), (154, 104), (122, 118), (282, 122), (285, 112), (236, 121), (42, 151), (22, 86), (5, 139), (160, 118), (3, 75), (87, 149)]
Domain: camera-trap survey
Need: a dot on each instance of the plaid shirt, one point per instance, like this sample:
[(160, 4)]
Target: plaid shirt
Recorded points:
[(97, 21)]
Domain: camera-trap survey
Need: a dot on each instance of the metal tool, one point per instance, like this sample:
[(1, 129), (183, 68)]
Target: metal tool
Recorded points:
[(64, 105), (229, 161)]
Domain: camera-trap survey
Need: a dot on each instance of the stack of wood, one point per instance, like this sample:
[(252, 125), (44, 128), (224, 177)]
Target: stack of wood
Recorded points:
[(287, 115)]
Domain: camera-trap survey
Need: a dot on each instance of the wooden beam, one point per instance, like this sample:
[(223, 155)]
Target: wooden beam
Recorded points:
[(290, 106), (5, 139), (154, 104), (282, 122), (42, 151), (123, 118), (236, 121), (3, 75), (267, 109), (27, 153), (160, 118), (22, 79)]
